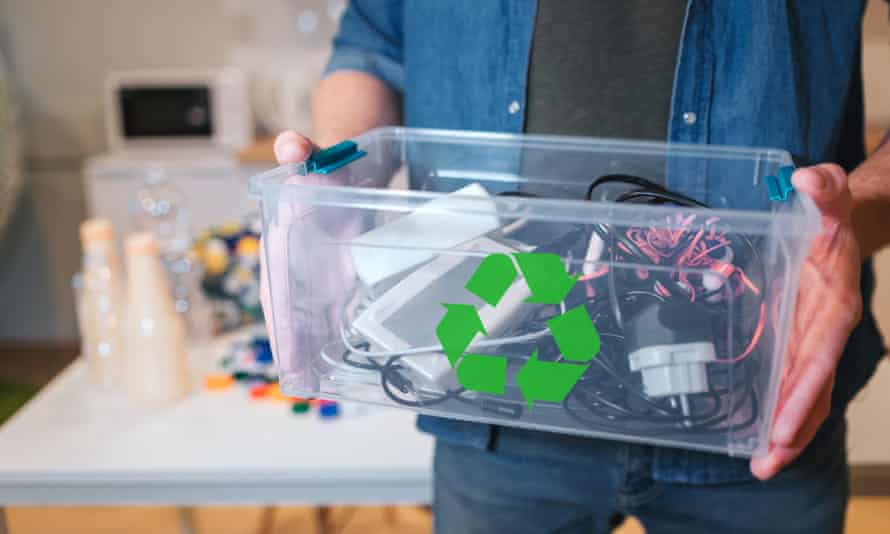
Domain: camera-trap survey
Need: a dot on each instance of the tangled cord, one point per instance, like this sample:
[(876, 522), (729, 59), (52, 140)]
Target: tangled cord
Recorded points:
[(606, 397)]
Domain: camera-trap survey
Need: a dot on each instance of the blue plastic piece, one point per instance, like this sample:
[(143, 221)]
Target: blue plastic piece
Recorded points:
[(779, 187), (332, 158), (328, 411), (262, 350), (263, 354)]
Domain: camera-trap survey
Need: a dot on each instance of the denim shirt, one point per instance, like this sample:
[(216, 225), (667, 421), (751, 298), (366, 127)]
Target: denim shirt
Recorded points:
[(765, 73)]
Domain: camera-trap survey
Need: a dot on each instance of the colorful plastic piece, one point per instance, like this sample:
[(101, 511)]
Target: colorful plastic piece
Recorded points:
[(332, 158), (218, 382), (241, 376), (262, 350), (779, 187), (260, 392), (329, 411), (275, 393)]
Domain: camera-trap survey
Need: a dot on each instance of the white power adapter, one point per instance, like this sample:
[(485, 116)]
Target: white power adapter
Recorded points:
[(405, 316)]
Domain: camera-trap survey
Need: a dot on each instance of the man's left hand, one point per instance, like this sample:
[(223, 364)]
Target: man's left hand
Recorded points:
[(828, 308)]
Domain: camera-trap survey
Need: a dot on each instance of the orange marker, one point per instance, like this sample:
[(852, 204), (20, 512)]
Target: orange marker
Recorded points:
[(260, 392), (276, 394), (218, 382)]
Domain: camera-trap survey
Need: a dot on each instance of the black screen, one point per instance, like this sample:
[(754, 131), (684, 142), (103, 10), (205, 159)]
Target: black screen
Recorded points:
[(166, 112)]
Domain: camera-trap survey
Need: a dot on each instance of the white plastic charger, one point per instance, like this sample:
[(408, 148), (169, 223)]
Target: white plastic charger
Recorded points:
[(413, 239)]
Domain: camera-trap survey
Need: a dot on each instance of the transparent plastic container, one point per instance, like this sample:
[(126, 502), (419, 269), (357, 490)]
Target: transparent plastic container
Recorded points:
[(483, 277)]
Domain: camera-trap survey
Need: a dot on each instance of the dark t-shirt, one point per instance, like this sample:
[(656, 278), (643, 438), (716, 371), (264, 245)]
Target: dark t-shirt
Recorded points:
[(603, 68)]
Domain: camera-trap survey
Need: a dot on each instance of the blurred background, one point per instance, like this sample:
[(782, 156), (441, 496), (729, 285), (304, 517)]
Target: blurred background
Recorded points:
[(59, 56), (65, 157)]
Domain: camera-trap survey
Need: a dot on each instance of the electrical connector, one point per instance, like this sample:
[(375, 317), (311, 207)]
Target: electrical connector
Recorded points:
[(670, 343)]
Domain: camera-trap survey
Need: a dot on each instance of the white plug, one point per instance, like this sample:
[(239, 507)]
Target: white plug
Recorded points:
[(678, 369)]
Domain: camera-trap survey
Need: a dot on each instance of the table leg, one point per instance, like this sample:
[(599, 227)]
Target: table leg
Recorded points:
[(323, 519), (267, 520), (4, 529), (186, 520)]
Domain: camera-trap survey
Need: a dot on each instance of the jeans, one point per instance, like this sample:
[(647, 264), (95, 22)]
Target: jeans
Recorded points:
[(533, 482)]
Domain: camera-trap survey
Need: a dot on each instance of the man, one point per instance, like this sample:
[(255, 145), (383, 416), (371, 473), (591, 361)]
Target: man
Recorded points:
[(755, 73)]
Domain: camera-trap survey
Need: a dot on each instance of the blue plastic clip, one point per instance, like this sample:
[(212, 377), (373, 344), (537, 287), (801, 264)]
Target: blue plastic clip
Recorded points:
[(328, 411), (779, 187), (262, 350), (332, 158)]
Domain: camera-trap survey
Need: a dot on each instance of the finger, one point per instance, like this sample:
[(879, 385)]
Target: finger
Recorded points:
[(779, 456), (291, 147), (766, 467), (820, 349), (827, 185)]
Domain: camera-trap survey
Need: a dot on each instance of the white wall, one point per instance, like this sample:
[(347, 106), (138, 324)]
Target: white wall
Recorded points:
[(59, 52), (876, 62), (869, 440), (61, 49)]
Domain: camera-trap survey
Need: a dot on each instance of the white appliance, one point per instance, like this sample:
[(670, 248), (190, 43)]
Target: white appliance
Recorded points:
[(164, 109)]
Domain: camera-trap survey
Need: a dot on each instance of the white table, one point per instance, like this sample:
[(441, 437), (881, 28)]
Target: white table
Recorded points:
[(73, 446)]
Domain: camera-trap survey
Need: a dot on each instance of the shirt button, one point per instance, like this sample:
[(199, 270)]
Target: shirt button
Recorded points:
[(513, 108), (689, 118)]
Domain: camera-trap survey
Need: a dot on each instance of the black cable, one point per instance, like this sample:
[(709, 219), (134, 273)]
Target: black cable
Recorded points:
[(390, 376), (523, 194), (655, 193), (626, 179), (660, 197), (371, 365), (607, 397)]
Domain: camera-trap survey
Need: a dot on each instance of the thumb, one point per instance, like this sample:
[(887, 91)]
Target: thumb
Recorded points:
[(291, 147), (827, 185)]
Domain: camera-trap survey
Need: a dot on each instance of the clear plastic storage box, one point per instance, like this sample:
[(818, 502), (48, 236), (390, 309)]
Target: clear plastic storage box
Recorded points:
[(624, 290)]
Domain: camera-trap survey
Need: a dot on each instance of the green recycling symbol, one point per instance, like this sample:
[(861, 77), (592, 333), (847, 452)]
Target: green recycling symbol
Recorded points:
[(573, 331)]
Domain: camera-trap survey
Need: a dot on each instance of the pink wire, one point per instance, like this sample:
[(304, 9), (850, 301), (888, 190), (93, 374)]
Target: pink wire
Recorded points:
[(754, 339)]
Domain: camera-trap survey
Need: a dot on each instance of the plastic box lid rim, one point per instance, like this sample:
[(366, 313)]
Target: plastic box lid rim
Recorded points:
[(805, 221)]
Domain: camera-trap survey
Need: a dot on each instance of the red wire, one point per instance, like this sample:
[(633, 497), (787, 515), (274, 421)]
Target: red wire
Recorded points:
[(657, 243), (754, 339)]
